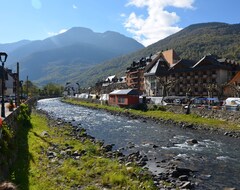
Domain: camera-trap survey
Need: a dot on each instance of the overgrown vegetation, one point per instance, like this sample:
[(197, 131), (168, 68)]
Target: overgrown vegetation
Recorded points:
[(159, 112), (50, 89), (9, 140), (46, 161)]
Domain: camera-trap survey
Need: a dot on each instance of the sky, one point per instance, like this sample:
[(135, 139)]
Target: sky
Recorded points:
[(147, 21)]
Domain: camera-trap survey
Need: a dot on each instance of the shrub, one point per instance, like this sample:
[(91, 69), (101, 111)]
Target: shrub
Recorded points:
[(6, 141), (24, 115)]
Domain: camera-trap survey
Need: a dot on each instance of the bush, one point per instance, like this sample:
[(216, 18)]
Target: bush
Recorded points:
[(156, 107), (6, 142), (24, 115)]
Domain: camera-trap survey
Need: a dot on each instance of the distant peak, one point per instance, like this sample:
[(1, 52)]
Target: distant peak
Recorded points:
[(79, 29)]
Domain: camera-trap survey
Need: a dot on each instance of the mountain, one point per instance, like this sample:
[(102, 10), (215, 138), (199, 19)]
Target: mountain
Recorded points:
[(192, 42), (12, 46), (60, 57)]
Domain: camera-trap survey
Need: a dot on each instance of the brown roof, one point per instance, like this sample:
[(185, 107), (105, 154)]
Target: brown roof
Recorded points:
[(236, 78)]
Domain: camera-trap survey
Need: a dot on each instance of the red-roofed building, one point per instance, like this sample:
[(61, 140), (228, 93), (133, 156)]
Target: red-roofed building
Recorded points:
[(124, 97)]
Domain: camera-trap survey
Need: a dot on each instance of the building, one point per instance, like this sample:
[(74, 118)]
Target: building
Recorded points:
[(180, 77), (124, 98), (10, 82), (135, 74), (159, 67), (232, 89), (109, 84)]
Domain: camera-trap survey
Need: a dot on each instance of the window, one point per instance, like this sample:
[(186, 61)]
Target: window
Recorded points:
[(121, 100)]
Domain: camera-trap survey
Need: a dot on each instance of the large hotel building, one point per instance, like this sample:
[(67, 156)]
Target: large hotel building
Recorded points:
[(166, 73)]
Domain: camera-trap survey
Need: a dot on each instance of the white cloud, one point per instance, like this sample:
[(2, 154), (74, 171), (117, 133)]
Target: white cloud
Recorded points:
[(75, 6), (159, 23), (56, 33)]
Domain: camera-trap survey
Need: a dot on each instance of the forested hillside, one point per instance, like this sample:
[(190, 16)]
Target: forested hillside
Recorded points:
[(192, 43)]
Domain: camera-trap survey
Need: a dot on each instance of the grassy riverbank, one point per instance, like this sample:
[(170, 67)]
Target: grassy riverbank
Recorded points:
[(165, 115), (51, 156)]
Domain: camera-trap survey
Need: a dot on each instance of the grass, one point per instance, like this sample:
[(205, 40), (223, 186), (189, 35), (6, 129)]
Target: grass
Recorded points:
[(91, 171), (165, 115)]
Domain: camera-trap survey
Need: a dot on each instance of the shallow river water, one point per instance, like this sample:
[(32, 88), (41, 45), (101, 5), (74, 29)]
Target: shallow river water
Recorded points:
[(215, 158)]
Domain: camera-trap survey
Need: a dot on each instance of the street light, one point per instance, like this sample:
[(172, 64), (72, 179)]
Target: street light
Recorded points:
[(3, 58)]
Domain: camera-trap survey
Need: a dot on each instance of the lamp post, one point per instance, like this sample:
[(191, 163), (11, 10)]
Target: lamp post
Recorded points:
[(3, 58)]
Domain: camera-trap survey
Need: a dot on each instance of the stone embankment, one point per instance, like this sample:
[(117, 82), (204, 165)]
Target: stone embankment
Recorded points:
[(221, 114)]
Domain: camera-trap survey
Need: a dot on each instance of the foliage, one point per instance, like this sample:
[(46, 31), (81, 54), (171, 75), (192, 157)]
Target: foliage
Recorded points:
[(24, 115), (6, 142), (29, 88), (11, 105), (52, 89)]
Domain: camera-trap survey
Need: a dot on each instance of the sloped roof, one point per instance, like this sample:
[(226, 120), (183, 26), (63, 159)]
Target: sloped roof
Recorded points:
[(156, 59), (236, 78), (211, 61), (125, 92), (110, 78), (183, 64)]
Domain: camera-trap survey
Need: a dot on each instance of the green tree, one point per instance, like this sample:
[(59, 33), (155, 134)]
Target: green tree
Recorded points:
[(52, 89), (30, 89)]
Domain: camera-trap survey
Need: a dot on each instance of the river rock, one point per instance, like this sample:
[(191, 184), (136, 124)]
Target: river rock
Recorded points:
[(183, 178), (44, 134), (187, 185), (108, 147), (192, 141)]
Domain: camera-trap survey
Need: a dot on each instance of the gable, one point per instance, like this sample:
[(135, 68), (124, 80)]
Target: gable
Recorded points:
[(236, 78), (207, 61)]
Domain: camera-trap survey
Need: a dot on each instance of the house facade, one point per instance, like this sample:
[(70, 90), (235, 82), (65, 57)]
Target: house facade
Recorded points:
[(10, 82), (159, 67), (188, 78), (124, 98), (135, 74)]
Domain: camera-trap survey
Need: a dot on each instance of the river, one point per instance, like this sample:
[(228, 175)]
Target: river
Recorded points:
[(215, 158)]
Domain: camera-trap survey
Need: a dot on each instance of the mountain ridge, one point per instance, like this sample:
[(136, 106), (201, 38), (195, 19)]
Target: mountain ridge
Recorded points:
[(192, 42), (77, 47)]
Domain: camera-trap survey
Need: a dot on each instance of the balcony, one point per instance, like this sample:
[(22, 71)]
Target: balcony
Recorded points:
[(134, 77)]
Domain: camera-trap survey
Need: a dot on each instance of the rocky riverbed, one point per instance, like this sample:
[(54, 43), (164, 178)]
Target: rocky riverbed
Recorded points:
[(171, 176), (176, 156)]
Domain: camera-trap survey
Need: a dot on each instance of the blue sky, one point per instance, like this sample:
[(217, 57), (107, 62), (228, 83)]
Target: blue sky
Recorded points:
[(147, 21)]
